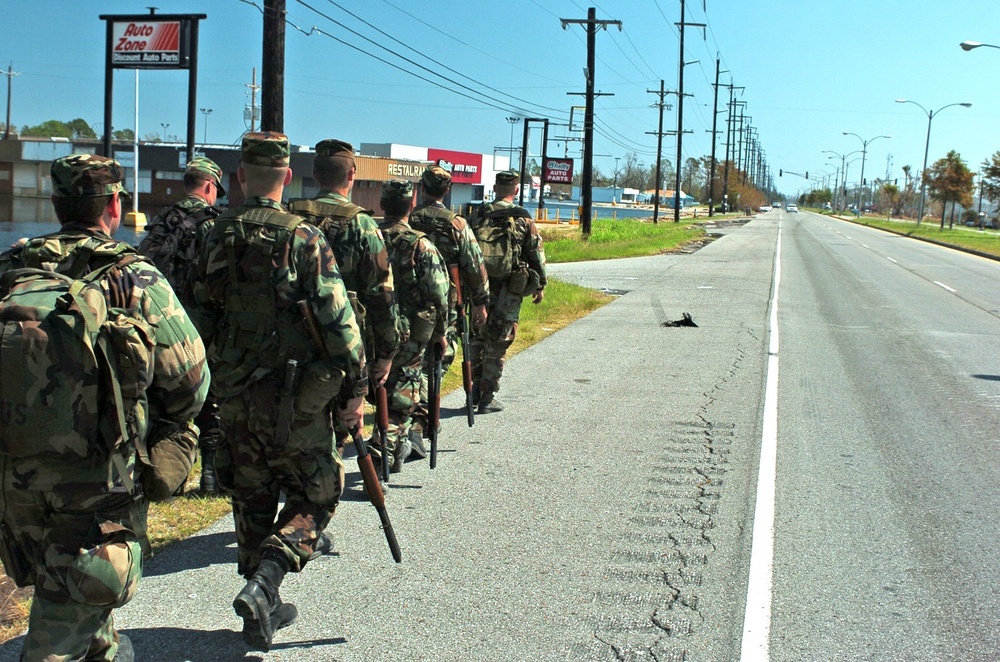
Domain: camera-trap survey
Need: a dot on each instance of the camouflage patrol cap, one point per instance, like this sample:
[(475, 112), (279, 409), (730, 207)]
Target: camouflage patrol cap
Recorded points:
[(204, 168), (397, 189), (86, 176), (435, 180), (508, 177), (265, 148), (333, 147)]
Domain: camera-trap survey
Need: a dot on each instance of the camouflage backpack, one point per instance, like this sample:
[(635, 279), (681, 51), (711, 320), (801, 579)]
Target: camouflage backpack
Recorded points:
[(169, 241), (496, 231), (72, 369)]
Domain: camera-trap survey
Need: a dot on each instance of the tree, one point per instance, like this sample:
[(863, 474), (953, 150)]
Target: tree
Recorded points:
[(77, 128), (950, 180), (691, 175), (891, 195), (991, 178), (127, 135)]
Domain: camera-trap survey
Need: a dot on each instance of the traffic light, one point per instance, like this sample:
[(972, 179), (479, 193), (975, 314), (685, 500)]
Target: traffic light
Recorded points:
[(779, 173), (807, 174)]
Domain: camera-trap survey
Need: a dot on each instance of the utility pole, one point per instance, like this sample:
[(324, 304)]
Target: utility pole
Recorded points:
[(272, 116), (729, 127), (10, 73), (662, 93), (587, 176), (253, 99), (715, 133), (680, 111)]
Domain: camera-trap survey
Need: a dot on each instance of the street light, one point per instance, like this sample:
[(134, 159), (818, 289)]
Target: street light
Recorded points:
[(864, 153), (927, 145), (969, 45), (164, 130), (512, 121), (207, 112), (842, 170)]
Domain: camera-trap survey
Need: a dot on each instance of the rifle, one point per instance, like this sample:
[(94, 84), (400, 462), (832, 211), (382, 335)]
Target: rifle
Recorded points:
[(463, 323), (372, 487), (382, 421), (375, 494), (434, 396)]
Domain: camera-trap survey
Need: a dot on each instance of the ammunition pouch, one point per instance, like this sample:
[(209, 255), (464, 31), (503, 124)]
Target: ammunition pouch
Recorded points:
[(15, 560), (422, 326), (359, 309), (106, 573), (318, 387)]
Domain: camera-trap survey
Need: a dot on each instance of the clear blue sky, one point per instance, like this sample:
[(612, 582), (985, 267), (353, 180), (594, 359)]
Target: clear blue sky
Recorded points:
[(811, 69)]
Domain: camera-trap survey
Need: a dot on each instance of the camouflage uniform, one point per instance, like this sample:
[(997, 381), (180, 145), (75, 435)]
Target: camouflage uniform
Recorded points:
[(363, 262), (453, 238), (267, 284), (170, 240), (490, 343), (422, 286), (74, 522)]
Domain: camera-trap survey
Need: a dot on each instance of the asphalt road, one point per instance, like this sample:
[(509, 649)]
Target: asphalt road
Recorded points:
[(607, 513)]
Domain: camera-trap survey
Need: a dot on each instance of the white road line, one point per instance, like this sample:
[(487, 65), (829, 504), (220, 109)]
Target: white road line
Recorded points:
[(891, 260), (757, 619), (952, 290), (865, 245)]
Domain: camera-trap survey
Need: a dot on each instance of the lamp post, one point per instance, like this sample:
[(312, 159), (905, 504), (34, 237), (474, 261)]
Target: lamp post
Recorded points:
[(864, 153), (842, 157), (969, 45), (165, 130), (927, 145), (512, 121), (207, 112)]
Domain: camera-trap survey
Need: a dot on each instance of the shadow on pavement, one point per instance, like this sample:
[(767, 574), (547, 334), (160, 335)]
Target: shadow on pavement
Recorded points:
[(194, 552)]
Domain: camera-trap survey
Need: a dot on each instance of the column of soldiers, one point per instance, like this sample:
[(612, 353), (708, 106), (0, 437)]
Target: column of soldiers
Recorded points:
[(304, 311)]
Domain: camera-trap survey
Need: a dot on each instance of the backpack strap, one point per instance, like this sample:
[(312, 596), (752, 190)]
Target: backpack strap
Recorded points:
[(321, 209)]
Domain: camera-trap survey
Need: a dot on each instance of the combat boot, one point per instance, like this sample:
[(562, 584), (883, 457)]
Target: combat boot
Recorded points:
[(403, 448), (209, 482), (488, 404), (260, 606), (125, 651), (417, 447), (324, 545)]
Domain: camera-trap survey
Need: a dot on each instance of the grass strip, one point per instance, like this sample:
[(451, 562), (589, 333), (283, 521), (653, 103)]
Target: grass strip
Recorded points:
[(968, 238), (620, 238)]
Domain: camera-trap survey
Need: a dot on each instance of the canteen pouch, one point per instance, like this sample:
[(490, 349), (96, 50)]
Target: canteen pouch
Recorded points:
[(319, 385), (15, 561), (518, 281), (422, 326)]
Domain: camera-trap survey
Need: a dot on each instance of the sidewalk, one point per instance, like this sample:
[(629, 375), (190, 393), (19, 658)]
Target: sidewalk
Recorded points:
[(604, 514)]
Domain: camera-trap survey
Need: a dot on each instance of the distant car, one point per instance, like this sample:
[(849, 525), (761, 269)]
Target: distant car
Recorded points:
[(776, 205), (764, 208), (792, 208), (827, 206)]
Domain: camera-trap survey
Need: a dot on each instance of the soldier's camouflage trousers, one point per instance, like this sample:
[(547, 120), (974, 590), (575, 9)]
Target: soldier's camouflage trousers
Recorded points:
[(76, 545), (491, 341), (306, 468), (403, 388)]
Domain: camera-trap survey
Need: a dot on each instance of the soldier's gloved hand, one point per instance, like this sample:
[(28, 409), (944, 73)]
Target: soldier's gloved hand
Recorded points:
[(352, 414), (538, 296), (479, 315), (379, 371), (441, 344)]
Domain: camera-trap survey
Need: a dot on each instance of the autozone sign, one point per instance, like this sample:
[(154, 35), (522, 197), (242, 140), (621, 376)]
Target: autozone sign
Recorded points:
[(558, 171), (140, 44)]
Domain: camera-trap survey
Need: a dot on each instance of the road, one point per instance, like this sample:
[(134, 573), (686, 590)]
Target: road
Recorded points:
[(609, 513)]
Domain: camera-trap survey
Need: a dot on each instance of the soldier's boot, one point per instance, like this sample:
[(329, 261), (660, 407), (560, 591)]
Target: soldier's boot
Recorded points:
[(488, 404), (399, 455), (417, 447), (324, 546), (209, 481), (260, 606), (125, 651)]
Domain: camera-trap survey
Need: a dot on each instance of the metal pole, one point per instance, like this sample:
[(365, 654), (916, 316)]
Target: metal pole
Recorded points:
[(273, 74), (135, 148), (587, 180), (680, 122), (923, 180), (524, 166), (541, 177)]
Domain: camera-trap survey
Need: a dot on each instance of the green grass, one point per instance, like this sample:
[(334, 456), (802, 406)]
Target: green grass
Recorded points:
[(984, 242), (613, 239)]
